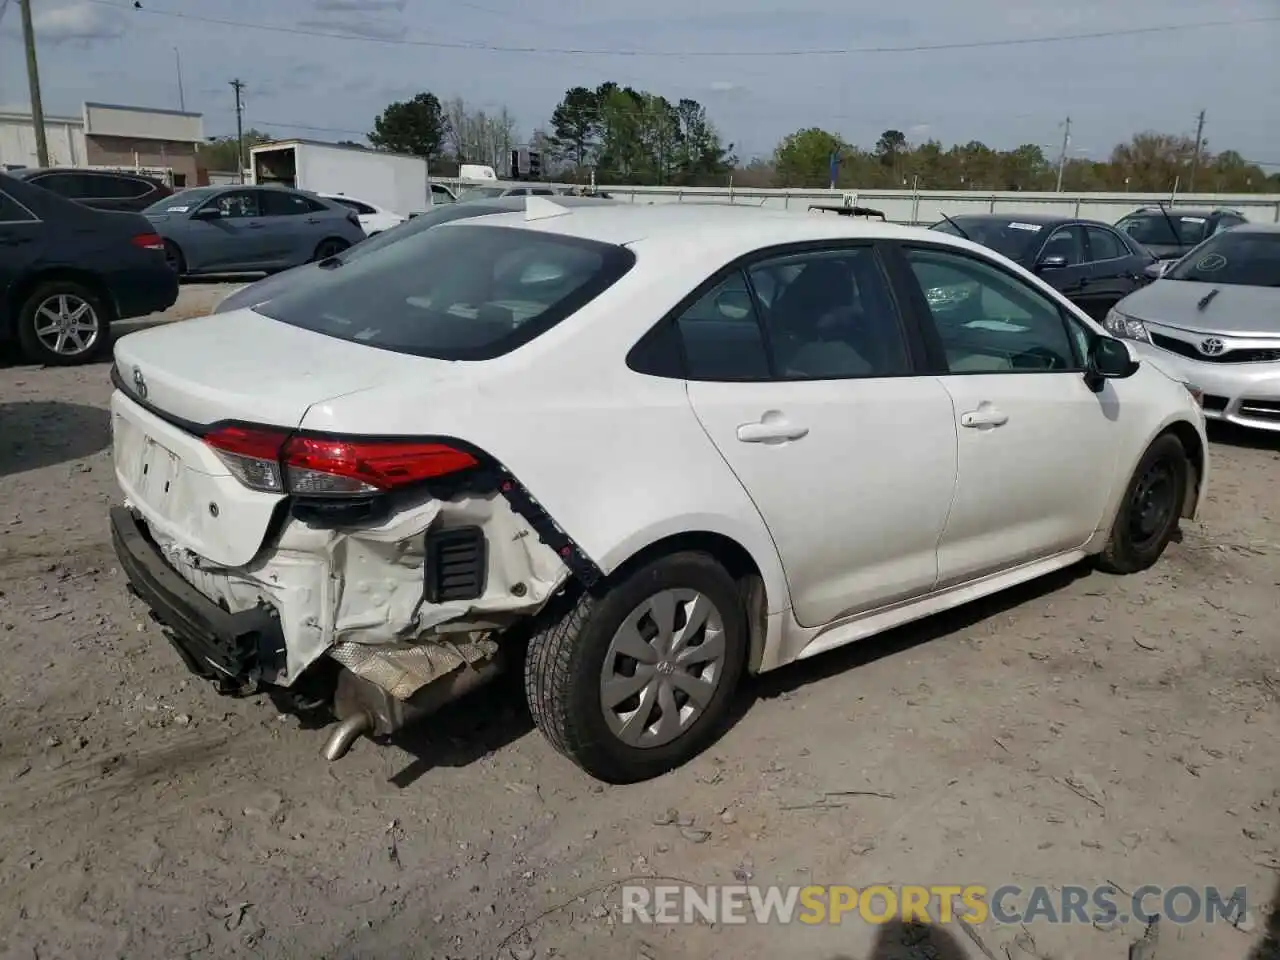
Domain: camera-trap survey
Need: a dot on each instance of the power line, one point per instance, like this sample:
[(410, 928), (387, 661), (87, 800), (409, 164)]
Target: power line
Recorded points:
[(585, 52)]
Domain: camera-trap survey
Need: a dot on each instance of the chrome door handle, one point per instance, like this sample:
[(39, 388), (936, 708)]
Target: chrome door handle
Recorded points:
[(765, 432), (984, 418)]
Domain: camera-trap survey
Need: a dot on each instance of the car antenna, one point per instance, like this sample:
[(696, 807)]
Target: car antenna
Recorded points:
[(956, 225), (1173, 227)]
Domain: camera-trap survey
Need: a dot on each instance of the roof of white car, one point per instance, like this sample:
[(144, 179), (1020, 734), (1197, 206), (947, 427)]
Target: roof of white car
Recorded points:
[(718, 225)]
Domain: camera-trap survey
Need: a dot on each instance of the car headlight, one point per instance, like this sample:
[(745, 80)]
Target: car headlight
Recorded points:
[(1126, 327)]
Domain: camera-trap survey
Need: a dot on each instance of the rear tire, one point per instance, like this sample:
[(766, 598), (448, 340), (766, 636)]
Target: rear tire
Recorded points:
[(329, 248), (173, 256), (1152, 506), (63, 323), (624, 719)]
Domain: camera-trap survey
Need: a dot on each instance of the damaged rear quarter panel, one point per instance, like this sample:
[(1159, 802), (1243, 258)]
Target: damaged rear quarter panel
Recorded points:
[(365, 585)]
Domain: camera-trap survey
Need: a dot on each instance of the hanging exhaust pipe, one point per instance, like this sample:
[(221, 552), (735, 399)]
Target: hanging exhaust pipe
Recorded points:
[(346, 734), (365, 708)]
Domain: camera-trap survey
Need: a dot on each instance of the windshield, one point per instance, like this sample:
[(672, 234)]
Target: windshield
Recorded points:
[(479, 193), (184, 201), (1011, 238), (1245, 258), (468, 292), (1155, 229)]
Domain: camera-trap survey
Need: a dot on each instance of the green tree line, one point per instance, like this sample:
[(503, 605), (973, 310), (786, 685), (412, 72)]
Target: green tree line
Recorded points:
[(620, 134)]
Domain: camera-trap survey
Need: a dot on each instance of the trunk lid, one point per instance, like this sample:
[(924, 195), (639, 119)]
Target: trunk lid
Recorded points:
[(234, 366), (243, 366)]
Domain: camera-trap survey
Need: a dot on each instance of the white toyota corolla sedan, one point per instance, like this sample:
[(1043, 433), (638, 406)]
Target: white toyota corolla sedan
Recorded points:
[(634, 452)]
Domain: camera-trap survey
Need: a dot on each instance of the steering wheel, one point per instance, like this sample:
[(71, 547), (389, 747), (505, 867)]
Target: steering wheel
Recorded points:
[(1037, 358)]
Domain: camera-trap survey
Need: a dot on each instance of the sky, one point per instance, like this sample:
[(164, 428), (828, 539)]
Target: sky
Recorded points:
[(760, 73)]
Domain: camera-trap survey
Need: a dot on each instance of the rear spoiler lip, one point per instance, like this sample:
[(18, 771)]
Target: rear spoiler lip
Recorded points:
[(849, 211)]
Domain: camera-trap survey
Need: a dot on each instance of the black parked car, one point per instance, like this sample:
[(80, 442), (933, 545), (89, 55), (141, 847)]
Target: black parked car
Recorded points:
[(101, 189), (1169, 232), (1092, 263), (67, 271)]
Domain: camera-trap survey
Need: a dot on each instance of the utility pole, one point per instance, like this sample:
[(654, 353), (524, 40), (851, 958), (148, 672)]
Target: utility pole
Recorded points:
[(1062, 157), (182, 98), (238, 85), (1195, 157), (33, 81)]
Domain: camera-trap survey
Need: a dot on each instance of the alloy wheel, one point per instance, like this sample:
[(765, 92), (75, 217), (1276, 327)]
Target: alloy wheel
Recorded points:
[(67, 325)]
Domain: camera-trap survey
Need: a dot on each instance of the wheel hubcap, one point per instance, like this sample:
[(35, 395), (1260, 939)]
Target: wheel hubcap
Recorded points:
[(662, 668), (67, 324), (1152, 503)]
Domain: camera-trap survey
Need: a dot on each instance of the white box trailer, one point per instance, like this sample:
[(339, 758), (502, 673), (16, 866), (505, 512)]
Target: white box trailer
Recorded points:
[(394, 181)]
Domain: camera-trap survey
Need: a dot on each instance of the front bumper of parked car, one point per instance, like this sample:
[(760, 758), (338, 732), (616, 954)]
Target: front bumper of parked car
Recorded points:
[(1240, 379)]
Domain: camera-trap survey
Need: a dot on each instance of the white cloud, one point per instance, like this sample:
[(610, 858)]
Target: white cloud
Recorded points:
[(77, 22)]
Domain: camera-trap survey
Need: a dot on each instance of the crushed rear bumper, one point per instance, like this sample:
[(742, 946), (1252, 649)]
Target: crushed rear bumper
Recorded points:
[(232, 649)]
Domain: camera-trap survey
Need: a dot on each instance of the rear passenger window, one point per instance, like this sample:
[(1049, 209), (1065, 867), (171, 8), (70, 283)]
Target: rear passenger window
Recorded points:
[(1105, 245), (830, 315), (11, 211), (721, 335)]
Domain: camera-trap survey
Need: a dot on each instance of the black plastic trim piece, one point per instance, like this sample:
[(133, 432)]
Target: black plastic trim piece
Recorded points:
[(548, 531), (232, 649), (457, 564)]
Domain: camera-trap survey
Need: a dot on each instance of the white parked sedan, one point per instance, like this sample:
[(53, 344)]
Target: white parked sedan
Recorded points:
[(634, 452), (373, 219)]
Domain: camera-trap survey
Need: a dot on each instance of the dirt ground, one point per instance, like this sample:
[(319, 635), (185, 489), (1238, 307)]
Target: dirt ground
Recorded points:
[(1086, 730)]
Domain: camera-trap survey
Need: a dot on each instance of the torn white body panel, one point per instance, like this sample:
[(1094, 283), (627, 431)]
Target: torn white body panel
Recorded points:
[(364, 587)]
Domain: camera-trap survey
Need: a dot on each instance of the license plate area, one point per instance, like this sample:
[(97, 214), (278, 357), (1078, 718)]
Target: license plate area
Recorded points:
[(158, 472)]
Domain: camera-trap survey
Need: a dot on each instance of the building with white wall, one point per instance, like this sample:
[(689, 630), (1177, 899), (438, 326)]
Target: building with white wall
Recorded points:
[(108, 135)]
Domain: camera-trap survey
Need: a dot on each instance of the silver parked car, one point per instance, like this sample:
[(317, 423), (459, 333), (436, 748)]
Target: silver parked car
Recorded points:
[(243, 228), (1212, 319)]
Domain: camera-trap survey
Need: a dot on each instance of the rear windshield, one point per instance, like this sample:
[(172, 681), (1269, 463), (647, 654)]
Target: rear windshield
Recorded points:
[(1155, 229), (1011, 238), (1245, 257), (424, 221), (462, 292)]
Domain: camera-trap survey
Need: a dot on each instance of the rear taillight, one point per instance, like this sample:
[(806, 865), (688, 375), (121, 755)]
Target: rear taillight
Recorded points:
[(354, 217), (149, 241), (275, 462), (252, 454)]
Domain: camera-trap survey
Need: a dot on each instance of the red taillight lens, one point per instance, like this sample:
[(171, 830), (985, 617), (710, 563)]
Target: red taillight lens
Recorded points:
[(149, 241), (272, 461), (252, 454), (321, 466)]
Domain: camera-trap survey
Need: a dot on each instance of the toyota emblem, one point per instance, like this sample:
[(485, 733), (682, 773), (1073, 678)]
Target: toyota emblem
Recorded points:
[(1212, 347), (139, 384)]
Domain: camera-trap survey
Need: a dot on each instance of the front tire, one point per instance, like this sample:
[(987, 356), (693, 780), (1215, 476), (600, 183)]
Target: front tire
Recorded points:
[(1149, 513), (63, 323), (329, 248), (640, 679)]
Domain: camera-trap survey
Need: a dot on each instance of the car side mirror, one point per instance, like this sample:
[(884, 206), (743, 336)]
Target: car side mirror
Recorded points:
[(1053, 261), (1109, 359), (207, 213)]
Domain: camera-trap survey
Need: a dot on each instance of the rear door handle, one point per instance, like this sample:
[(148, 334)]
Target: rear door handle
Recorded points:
[(986, 417), (313, 220), (766, 431)]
